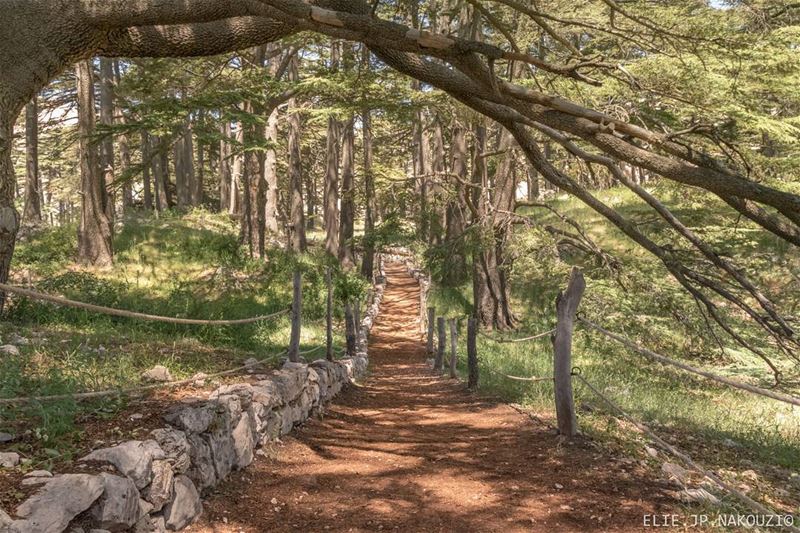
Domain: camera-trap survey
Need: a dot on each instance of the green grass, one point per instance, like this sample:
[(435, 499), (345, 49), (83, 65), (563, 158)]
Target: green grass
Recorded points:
[(178, 265), (722, 427)]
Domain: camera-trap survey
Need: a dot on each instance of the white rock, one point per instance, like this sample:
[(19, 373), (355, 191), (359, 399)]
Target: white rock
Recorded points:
[(63, 498), (6, 437), (675, 472), (9, 459), (157, 373), (186, 507), (243, 442), (132, 458), (118, 507), (9, 349), (39, 473), (192, 419), (698, 496), (159, 492), (18, 340), (652, 452), (175, 446)]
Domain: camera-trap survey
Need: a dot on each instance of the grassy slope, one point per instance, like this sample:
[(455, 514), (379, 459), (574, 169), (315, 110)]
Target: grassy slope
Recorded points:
[(724, 428), (183, 266)]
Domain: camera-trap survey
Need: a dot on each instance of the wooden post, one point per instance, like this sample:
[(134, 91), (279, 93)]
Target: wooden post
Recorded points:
[(472, 352), (566, 306), (350, 329), (329, 317), (431, 325), (453, 347), (297, 306), (439, 360)]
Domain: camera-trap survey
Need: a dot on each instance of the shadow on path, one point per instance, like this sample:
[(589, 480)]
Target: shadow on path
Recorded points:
[(410, 451)]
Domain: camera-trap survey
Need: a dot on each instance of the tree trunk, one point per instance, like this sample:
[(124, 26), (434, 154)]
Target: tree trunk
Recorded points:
[(147, 165), (160, 173), (491, 292), (271, 175), (423, 171), (347, 221), (368, 263), (235, 205), (9, 217), (436, 214), (297, 237), (32, 213), (107, 162), (94, 231), (330, 214), (225, 154), (124, 144), (456, 272)]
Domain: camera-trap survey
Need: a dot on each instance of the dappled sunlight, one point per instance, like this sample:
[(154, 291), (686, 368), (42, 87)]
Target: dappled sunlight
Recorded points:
[(412, 451)]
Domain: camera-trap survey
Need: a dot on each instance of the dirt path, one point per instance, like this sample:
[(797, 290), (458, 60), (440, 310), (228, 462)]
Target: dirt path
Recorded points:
[(411, 452)]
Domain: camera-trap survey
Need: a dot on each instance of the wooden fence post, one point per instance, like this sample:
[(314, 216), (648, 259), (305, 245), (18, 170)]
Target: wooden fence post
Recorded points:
[(297, 306), (453, 347), (472, 352), (329, 317), (566, 306), (439, 360), (431, 325), (350, 329)]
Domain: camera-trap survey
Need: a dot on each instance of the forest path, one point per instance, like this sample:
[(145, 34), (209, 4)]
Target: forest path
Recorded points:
[(411, 451)]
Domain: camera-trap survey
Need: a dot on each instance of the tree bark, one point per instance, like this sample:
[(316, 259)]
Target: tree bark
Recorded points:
[(94, 231), (297, 230), (368, 262), (347, 221), (32, 214), (330, 199), (225, 172), (124, 143), (147, 165), (271, 175), (107, 162), (456, 272)]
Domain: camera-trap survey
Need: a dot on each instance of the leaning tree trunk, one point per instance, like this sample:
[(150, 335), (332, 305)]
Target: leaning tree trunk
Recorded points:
[(94, 231), (32, 213), (347, 220)]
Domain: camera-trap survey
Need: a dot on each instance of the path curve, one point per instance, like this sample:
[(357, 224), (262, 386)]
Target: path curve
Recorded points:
[(410, 451)]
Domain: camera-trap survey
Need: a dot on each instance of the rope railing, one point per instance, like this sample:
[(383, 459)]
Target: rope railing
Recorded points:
[(132, 314), (134, 390), (681, 455), (524, 339), (532, 379), (688, 368)]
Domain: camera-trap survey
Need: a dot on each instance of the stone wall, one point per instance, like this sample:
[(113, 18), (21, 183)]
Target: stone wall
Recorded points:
[(156, 485)]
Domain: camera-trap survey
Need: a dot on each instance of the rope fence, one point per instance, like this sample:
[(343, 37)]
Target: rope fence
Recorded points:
[(524, 339), (688, 368), (135, 390), (132, 314), (679, 454)]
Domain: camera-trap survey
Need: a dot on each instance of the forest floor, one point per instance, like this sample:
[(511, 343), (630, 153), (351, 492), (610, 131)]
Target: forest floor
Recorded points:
[(412, 451)]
